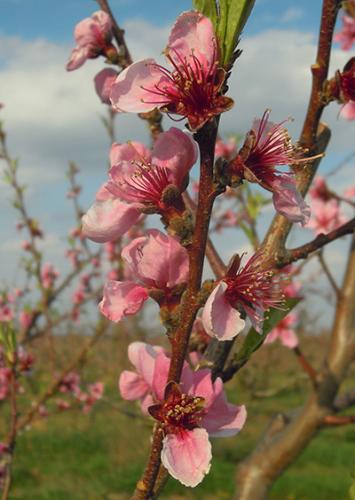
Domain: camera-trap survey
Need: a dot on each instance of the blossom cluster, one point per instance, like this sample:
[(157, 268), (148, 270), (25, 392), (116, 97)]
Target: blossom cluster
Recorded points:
[(143, 181)]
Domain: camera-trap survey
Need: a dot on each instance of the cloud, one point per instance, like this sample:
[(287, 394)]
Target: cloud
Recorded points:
[(291, 14), (52, 116)]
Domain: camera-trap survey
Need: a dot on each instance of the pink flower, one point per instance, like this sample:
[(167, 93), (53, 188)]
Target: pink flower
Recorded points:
[(348, 111), (136, 175), (103, 83), (95, 392), (109, 218), (346, 36), (319, 189), (226, 150), (253, 289), (62, 405), (25, 360), (48, 276), (188, 413), (6, 313), (267, 145), (25, 319), (5, 377), (157, 261), (70, 383), (93, 38), (325, 216), (192, 88), (284, 331), (350, 192), (141, 384)]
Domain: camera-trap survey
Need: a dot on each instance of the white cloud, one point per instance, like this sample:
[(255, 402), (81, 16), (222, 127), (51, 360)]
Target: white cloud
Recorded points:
[(52, 116), (291, 14)]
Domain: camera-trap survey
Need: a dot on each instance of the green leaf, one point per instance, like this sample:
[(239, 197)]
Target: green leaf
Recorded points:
[(254, 340), (207, 8), (233, 15), (352, 491), (228, 18)]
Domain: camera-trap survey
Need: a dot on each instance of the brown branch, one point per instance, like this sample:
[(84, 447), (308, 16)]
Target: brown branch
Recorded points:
[(53, 387), (307, 367), (339, 420), (328, 274), (154, 118), (303, 251), (11, 440), (118, 33), (284, 441), (206, 138)]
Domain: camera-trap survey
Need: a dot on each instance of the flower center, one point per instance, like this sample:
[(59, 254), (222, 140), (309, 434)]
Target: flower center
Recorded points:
[(185, 412), (146, 184)]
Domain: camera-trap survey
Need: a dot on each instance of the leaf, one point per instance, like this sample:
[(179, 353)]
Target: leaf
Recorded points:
[(233, 15), (208, 8), (254, 340), (352, 491), (228, 18)]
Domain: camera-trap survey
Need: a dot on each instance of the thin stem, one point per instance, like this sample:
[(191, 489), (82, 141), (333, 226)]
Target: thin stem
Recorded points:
[(307, 367), (328, 274), (339, 420)]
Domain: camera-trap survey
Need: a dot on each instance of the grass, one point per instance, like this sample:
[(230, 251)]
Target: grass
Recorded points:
[(71, 456)]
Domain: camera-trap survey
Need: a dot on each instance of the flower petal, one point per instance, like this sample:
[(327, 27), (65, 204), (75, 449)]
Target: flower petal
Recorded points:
[(129, 151), (132, 386), (103, 83), (187, 456), (177, 151), (143, 357), (129, 92), (348, 111), (157, 259), (193, 34), (219, 318), (288, 201), (122, 298), (77, 58), (108, 220)]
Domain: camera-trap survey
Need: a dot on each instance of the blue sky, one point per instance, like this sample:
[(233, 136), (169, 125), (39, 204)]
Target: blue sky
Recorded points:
[(52, 116), (54, 20)]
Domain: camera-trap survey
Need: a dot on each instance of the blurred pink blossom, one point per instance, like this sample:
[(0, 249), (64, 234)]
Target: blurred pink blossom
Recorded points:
[(284, 332), (93, 38), (346, 36)]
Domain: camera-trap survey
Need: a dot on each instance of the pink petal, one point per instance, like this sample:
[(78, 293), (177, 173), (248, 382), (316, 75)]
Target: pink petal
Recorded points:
[(77, 58), (143, 357), (288, 201), (288, 338), (348, 111), (129, 151), (103, 83), (177, 151), (187, 456), (127, 92), (194, 34), (160, 378), (222, 419), (219, 318), (122, 299), (108, 220), (132, 386), (157, 259)]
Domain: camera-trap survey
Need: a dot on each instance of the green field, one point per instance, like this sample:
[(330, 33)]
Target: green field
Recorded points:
[(71, 456)]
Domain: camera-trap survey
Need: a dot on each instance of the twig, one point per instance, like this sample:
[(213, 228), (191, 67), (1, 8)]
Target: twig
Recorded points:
[(339, 420), (307, 367), (328, 274)]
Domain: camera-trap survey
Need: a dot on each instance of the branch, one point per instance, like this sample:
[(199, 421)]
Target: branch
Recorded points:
[(206, 138), (284, 441), (53, 387), (339, 419), (307, 367), (303, 251)]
